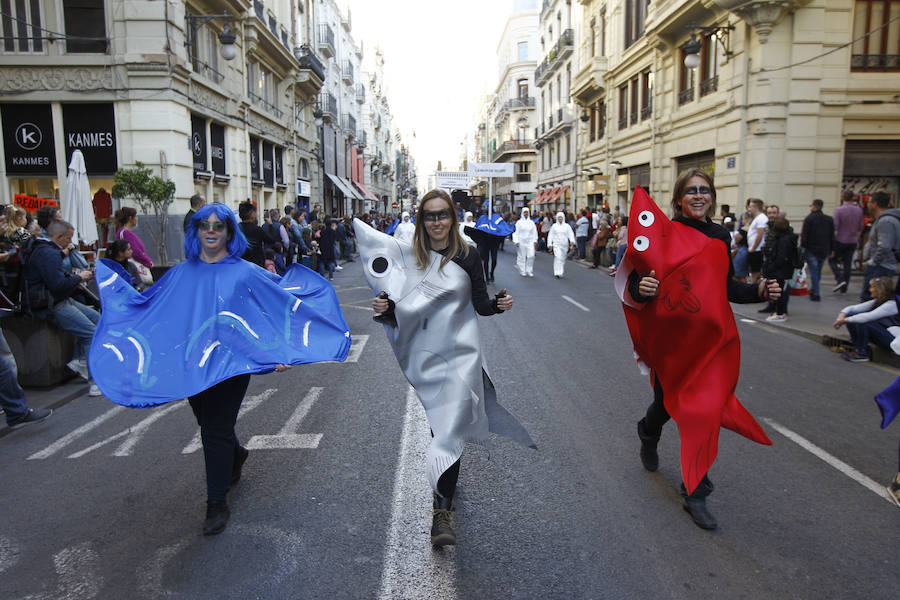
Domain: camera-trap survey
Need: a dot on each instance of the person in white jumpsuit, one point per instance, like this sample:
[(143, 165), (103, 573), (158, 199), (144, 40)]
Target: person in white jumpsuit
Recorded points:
[(525, 237), (468, 221), (405, 230), (560, 239)]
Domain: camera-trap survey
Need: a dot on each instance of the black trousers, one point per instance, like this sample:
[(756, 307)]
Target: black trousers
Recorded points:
[(656, 417), (447, 482), (488, 251), (216, 410)]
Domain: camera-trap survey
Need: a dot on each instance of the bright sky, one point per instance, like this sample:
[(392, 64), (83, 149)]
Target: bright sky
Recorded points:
[(439, 58)]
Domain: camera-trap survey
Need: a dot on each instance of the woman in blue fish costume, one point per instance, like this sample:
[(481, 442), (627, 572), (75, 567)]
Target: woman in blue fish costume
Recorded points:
[(203, 329)]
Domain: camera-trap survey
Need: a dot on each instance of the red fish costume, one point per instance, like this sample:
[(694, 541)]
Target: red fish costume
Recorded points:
[(687, 335)]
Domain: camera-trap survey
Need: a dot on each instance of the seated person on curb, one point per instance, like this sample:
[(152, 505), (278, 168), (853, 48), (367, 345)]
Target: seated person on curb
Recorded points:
[(12, 396), (48, 289), (876, 320)]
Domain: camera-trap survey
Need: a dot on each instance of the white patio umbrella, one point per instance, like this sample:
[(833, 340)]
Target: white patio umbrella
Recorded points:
[(78, 209)]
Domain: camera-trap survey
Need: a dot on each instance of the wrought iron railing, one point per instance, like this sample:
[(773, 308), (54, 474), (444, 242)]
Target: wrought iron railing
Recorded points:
[(875, 62), (685, 96), (708, 86), (266, 104)]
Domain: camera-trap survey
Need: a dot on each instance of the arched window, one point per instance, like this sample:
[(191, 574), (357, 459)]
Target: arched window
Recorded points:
[(303, 169)]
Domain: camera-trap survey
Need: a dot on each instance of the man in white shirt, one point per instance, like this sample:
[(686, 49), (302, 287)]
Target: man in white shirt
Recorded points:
[(581, 234), (756, 233)]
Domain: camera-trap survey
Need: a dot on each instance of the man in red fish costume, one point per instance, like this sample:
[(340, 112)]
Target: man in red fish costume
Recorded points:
[(675, 286)]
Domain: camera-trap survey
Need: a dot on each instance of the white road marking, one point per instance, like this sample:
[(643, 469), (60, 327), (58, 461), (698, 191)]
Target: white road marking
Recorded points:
[(747, 321), (9, 554), (835, 462), (248, 405), (356, 347), (288, 438), (578, 304), (369, 308), (132, 434), (77, 570), (74, 435), (412, 569)]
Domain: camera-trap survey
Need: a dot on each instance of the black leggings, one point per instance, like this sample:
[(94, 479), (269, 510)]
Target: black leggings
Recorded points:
[(447, 482), (488, 252), (216, 410), (656, 417)]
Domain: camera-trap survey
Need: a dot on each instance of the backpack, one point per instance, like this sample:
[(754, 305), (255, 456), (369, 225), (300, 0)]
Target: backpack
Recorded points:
[(14, 292)]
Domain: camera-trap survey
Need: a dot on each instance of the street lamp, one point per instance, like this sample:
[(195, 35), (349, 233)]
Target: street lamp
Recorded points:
[(693, 46), (227, 37)]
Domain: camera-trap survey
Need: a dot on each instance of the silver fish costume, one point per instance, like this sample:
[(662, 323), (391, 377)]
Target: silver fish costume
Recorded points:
[(436, 342)]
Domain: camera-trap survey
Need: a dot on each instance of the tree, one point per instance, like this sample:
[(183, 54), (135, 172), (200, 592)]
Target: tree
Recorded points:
[(149, 191)]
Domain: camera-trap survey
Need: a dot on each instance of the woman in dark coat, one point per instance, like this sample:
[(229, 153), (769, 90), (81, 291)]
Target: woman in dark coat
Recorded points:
[(780, 260)]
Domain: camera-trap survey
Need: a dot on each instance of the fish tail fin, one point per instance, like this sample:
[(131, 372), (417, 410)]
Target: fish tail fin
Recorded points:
[(698, 452), (888, 401), (736, 418)]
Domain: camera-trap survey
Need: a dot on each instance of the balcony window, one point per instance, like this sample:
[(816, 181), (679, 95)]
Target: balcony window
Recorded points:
[(23, 21), (634, 100), (85, 20), (635, 20), (623, 106), (601, 119), (523, 88), (603, 31), (709, 66), (569, 148), (685, 81), (203, 51), (522, 173), (646, 94), (879, 50), (523, 51)]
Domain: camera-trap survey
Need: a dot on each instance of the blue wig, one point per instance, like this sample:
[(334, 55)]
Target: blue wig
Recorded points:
[(237, 243)]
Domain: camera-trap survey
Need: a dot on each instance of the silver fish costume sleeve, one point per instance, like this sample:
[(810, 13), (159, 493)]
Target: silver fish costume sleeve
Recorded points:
[(437, 345)]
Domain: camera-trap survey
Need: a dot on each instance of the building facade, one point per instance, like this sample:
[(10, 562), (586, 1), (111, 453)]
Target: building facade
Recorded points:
[(780, 103), (379, 166), (556, 135), (219, 96)]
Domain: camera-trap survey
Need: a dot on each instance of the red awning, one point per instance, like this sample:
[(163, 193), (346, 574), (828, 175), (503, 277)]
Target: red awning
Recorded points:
[(536, 199), (552, 195), (562, 191), (366, 191)]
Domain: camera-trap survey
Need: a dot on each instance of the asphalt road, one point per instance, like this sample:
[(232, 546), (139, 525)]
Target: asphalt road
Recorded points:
[(106, 502)]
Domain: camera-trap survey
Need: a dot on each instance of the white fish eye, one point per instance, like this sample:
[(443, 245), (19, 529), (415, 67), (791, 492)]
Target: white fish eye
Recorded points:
[(641, 242), (379, 266), (646, 218)]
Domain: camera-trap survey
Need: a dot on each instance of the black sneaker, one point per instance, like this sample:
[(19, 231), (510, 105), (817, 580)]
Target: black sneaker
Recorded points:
[(815, 298), (841, 287), (769, 308), (856, 357), (34, 415), (217, 515), (240, 457)]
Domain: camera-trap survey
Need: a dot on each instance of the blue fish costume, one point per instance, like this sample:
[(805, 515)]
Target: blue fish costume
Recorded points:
[(203, 323)]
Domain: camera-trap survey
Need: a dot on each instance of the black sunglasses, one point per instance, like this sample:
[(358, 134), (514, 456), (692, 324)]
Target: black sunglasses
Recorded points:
[(206, 226), (435, 216)]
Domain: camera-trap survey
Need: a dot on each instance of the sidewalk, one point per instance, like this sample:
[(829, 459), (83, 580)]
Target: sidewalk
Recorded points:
[(812, 320), (50, 397)]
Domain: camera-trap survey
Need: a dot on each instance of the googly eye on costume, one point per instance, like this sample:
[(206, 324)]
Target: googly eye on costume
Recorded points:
[(379, 266), (646, 218), (641, 242)]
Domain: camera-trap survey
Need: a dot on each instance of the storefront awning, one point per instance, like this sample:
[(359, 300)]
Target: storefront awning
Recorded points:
[(551, 195), (536, 199), (342, 184), (366, 191)]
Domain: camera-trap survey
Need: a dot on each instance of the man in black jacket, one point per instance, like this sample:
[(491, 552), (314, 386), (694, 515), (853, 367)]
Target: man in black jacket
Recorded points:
[(257, 237), (48, 289), (817, 238)]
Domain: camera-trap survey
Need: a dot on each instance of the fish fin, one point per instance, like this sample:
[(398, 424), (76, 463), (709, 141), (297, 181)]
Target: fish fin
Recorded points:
[(501, 421), (699, 449), (736, 418), (888, 401)]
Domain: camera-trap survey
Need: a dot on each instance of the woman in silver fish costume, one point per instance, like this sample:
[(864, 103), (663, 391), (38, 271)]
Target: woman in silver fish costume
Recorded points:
[(426, 294)]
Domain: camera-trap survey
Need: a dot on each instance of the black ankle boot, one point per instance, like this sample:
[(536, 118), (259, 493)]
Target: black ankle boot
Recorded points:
[(240, 457), (695, 505), (442, 533), (649, 456), (217, 515)]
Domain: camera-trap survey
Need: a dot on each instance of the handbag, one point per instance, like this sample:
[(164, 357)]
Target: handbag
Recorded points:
[(799, 283), (143, 272)]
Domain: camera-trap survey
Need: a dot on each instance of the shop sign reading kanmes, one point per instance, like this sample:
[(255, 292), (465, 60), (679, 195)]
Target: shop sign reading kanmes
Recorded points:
[(91, 128), (28, 139)]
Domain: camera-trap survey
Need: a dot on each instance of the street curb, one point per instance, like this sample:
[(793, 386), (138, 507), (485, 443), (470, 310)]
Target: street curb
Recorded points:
[(77, 393)]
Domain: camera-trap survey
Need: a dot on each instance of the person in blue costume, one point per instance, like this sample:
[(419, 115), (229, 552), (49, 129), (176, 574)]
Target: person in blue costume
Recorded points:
[(203, 329)]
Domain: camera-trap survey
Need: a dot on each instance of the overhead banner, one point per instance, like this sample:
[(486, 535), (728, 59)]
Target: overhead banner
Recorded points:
[(217, 148), (198, 143), (452, 180), (268, 164), (255, 173), (91, 128), (491, 170), (28, 139)]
